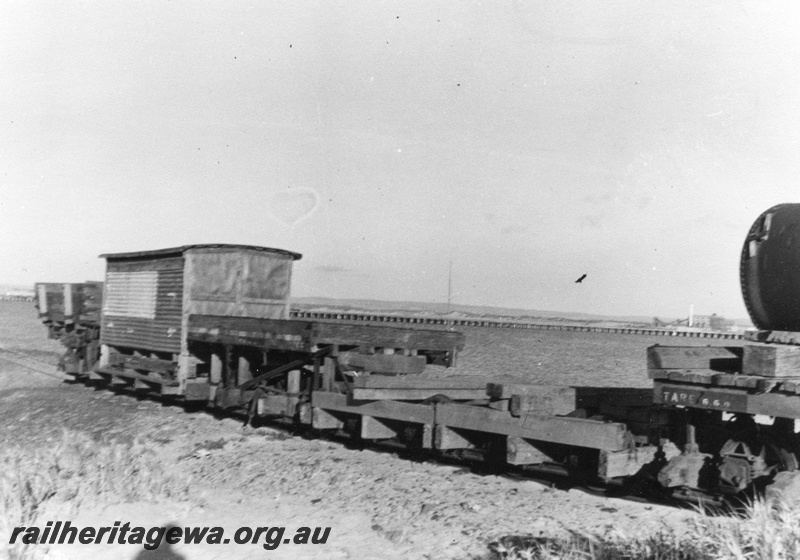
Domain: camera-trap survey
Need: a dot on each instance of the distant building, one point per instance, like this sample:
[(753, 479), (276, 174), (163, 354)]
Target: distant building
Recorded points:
[(712, 322)]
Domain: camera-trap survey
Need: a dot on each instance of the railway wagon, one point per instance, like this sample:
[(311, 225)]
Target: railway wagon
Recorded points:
[(210, 324), (71, 313)]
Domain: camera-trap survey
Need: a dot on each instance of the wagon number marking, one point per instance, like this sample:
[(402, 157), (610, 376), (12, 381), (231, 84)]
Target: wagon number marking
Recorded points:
[(701, 400)]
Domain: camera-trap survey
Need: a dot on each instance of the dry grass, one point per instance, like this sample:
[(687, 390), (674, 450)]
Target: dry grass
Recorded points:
[(761, 532), (78, 469)]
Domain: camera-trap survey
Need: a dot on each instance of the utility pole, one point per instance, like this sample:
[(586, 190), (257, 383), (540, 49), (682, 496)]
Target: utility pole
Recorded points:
[(449, 285), (449, 294)]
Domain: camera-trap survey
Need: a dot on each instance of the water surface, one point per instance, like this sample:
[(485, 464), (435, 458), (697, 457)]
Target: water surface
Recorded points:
[(564, 357)]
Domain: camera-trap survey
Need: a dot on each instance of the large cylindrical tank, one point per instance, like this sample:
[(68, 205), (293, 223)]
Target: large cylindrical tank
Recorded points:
[(770, 269)]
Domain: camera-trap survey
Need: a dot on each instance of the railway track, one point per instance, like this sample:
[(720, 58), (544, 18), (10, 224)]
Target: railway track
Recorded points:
[(31, 364)]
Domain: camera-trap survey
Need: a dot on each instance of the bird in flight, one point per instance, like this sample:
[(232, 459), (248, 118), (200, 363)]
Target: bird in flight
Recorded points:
[(579, 280)]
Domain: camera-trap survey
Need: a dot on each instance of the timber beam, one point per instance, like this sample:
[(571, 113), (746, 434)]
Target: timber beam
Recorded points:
[(577, 432)]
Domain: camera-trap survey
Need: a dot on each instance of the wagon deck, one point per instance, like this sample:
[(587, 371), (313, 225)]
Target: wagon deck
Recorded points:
[(754, 379), (440, 347)]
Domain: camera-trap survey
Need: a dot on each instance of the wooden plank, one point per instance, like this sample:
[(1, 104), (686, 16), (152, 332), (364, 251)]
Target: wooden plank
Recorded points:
[(556, 400), (383, 363), (649, 415), (427, 436), (41, 300), (773, 337), (292, 334), (328, 374), (417, 394), (507, 390), (121, 381), (386, 337), (499, 404), (717, 358), (594, 397), (414, 382), (520, 451), (702, 376), (130, 374), (628, 462), (142, 362), (292, 329), (727, 399), (68, 307), (230, 397), (243, 371), (293, 379), (305, 413), (277, 405), (172, 390), (790, 386), (196, 390), (279, 334), (585, 397), (215, 372), (324, 420), (448, 438), (141, 384), (725, 379), (687, 375), (557, 429), (771, 361), (235, 338), (312, 332), (748, 381), (373, 428), (768, 384), (392, 410)]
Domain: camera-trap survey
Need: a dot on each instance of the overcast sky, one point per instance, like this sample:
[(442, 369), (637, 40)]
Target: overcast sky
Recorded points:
[(527, 142)]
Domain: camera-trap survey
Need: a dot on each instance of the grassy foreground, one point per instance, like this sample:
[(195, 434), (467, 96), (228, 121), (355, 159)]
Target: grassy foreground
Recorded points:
[(75, 470), (763, 531)]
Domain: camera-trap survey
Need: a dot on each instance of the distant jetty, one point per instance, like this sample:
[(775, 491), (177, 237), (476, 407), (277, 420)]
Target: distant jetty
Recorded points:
[(457, 320), (16, 296), (374, 317)]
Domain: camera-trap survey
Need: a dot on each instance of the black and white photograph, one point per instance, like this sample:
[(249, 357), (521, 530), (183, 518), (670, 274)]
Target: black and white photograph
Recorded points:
[(446, 280)]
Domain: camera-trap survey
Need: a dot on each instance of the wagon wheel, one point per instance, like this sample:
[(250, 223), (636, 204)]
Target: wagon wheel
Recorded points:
[(746, 468)]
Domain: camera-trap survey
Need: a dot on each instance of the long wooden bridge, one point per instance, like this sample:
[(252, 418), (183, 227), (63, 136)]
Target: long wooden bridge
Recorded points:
[(500, 323)]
